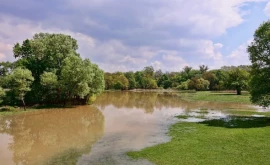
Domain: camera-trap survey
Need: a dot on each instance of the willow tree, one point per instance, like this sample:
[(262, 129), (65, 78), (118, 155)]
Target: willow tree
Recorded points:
[(259, 54)]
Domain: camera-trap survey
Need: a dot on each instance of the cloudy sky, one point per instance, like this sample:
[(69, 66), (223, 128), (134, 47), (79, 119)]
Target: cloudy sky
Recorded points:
[(123, 35)]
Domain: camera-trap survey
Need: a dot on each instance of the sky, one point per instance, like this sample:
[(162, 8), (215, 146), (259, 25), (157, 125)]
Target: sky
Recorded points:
[(125, 35)]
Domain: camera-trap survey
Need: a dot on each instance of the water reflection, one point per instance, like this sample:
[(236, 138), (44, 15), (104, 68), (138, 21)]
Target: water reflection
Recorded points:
[(122, 122), (57, 136), (151, 101)]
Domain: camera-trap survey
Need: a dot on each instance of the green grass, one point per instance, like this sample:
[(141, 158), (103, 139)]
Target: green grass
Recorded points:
[(212, 142), (216, 97)]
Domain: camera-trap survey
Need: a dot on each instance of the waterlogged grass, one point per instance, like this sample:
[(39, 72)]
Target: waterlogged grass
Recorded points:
[(240, 141), (241, 112), (216, 97)]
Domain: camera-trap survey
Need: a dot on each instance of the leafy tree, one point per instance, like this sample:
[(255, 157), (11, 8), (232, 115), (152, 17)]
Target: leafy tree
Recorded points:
[(183, 85), (131, 80), (259, 54), (221, 78), (2, 94), (198, 84), (158, 74), (5, 68), (164, 82), (20, 81), (203, 68), (211, 77), (44, 52), (187, 69), (238, 80), (148, 71), (74, 78)]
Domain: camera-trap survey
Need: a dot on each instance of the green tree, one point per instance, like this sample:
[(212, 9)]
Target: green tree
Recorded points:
[(183, 85), (259, 54), (149, 71), (2, 94), (74, 78), (44, 52), (20, 81), (131, 80), (203, 68), (198, 84), (211, 77), (238, 80)]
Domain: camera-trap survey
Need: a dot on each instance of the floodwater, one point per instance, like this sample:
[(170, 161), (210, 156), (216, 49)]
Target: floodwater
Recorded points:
[(100, 134)]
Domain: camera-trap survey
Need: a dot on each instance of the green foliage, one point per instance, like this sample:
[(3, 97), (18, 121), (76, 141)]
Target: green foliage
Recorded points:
[(238, 79), (259, 53), (116, 81), (203, 68), (2, 94), (60, 74), (131, 80), (198, 84), (211, 77), (48, 79), (183, 85), (20, 81), (164, 82)]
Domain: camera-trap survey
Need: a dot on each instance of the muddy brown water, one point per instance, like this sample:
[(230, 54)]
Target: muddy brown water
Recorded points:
[(100, 134)]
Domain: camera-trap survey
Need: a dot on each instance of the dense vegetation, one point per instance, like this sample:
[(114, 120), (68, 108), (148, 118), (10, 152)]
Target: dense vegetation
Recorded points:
[(259, 52), (231, 78), (48, 70)]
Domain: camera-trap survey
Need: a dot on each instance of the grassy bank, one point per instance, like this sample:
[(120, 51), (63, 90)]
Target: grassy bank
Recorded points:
[(213, 142), (216, 97)]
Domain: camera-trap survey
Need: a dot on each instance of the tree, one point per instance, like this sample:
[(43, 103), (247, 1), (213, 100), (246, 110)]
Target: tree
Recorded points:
[(20, 81), (198, 84), (148, 71), (131, 80), (44, 52), (203, 68), (238, 80), (2, 94), (259, 54), (183, 85), (211, 77), (60, 74)]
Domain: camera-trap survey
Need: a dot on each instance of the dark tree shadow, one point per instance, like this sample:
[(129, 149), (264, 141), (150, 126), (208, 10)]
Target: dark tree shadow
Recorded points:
[(239, 122)]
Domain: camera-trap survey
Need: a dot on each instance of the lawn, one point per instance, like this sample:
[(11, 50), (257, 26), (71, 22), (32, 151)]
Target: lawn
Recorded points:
[(237, 140), (216, 97)]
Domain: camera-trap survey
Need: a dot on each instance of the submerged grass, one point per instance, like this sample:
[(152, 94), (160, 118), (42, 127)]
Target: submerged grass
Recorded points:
[(213, 142), (216, 97)]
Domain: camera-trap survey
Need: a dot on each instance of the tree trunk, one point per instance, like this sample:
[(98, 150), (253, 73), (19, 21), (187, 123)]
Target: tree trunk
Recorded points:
[(24, 105), (238, 91)]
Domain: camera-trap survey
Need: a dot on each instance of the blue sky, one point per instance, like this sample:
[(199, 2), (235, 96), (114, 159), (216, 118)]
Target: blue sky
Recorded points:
[(123, 35)]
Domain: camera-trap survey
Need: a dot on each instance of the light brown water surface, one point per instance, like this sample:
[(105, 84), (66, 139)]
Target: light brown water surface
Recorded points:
[(118, 122)]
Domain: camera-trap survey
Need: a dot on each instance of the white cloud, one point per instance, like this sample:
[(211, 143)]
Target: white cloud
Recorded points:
[(239, 56), (128, 36), (267, 9)]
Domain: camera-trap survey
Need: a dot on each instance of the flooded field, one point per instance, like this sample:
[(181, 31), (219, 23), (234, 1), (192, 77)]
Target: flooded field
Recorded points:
[(118, 122)]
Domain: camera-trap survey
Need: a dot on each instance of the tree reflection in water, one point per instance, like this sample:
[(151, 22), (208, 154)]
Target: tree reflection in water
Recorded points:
[(56, 136)]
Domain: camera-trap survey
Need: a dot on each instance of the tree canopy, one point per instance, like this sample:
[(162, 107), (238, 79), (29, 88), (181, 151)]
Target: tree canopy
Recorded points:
[(48, 70), (259, 54)]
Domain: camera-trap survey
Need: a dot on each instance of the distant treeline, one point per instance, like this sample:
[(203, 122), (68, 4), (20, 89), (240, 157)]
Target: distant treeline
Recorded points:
[(226, 78), (48, 70)]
